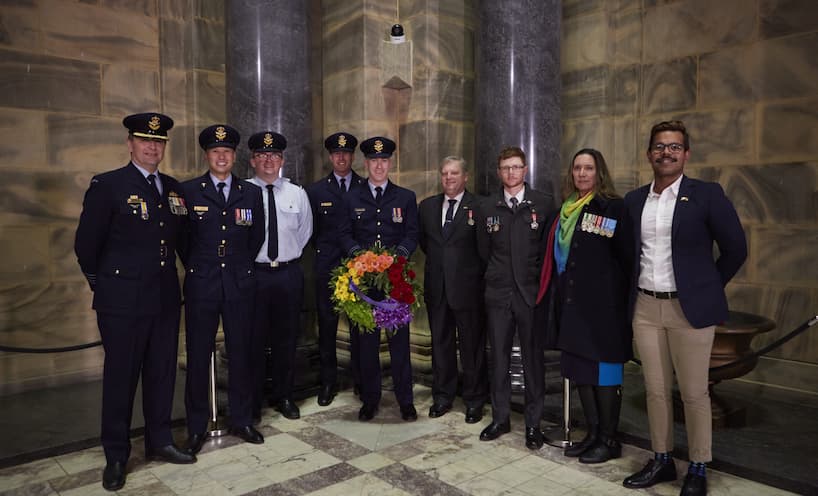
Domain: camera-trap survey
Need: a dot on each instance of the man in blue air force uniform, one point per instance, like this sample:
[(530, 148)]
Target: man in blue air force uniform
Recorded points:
[(126, 244), (327, 197), (226, 231), (381, 214), (279, 277)]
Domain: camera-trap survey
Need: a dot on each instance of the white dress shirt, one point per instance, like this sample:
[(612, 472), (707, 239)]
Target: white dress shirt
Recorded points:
[(372, 189), (519, 196), (656, 257), (294, 218), (446, 199)]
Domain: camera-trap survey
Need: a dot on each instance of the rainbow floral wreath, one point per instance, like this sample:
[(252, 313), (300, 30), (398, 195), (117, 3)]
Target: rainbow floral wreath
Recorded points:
[(381, 271)]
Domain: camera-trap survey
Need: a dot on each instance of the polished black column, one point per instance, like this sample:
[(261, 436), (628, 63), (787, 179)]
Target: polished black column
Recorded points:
[(518, 89), (268, 77)]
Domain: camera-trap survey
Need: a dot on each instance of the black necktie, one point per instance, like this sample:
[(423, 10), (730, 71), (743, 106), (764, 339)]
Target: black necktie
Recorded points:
[(513, 201), (272, 225), (343, 185), (152, 180), (447, 224), (378, 194), (221, 187)]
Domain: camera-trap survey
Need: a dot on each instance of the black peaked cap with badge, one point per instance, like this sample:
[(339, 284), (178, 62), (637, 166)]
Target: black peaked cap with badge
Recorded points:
[(341, 142), (378, 147), (219, 135), (267, 141), (150, 125)]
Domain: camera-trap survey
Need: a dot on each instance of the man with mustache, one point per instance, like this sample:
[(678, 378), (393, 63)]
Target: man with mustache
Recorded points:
[(680, 298)]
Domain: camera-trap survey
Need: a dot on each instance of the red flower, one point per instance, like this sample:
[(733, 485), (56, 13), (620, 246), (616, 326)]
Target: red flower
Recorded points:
[(411, 274)]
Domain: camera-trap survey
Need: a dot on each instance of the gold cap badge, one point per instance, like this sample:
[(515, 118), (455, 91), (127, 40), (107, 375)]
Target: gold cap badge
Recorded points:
[(153, 124), (221, 133), (378, 146), (342, 140), (268, 139)]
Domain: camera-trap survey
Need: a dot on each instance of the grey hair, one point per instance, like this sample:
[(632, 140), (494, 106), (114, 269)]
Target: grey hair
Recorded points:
[(454, 158)]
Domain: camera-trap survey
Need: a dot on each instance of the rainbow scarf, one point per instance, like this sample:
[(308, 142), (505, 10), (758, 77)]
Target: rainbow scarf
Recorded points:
[(569, 214)]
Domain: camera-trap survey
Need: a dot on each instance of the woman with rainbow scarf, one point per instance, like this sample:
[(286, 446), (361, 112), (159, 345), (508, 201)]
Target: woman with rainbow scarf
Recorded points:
[(586, 269)]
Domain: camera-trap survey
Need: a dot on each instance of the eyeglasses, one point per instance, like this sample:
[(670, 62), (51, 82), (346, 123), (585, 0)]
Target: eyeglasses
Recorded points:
[(268, 155), (508, 168), (673, 147)]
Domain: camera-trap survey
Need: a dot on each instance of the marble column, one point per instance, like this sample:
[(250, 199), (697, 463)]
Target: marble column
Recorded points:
[(518, 89), (267, 77)]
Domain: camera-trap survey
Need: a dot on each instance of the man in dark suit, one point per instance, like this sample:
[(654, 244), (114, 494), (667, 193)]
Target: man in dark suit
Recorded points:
[(453, 287), (512, 240), (226, 219), (680, 298), (329, 213), (381, 214), (129, 233)]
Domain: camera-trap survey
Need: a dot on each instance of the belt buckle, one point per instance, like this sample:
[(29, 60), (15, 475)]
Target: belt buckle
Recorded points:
[(221, 250), (274, 264), (163, 251), (378, 243)]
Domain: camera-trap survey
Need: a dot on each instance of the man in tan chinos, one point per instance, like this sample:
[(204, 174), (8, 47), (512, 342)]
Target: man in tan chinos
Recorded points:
[(679, 298)]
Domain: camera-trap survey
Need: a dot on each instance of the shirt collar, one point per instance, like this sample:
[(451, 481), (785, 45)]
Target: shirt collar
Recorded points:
[(520, 195), (458, 197), (216, 180), (144, 171), (674, 188)]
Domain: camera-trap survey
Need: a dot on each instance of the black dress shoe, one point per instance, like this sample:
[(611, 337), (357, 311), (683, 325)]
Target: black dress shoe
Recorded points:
[(439, 410), (603, 450), (248, 433), (495, 430), (170, 454), (653, 473), (695, 485), (113, 477), (367, 412), (194, 443), (474, 414), (408, 412), (326, 395), (533, 438), (288, 409)]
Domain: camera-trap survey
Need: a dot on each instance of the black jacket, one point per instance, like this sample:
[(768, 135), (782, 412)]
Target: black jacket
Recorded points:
[(453, 269), (329, 213)]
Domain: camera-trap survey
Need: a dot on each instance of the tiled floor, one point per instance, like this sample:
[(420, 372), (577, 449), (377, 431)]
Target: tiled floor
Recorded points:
[(329, 452)]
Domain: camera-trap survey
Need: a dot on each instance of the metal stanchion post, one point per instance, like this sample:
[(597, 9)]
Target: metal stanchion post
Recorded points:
[(560, 436), (214, 431)]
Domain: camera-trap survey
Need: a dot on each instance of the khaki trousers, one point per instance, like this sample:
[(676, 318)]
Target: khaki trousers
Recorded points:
[(666, 342)]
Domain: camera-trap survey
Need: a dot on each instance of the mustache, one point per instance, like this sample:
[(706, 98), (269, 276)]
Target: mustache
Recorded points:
[(662, 159)]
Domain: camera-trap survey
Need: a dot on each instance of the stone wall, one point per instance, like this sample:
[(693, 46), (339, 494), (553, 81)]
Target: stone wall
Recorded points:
[(744, 78), (69, 71)]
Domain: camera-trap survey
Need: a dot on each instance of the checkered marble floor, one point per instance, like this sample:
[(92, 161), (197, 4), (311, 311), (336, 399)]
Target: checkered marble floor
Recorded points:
[(329, 452)]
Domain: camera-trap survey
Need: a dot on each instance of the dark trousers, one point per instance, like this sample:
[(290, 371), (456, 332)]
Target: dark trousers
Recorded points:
[(201, 324), (365, 347), (327, 331), (134, 346), (277, 324), (503, 322), (454, 330)]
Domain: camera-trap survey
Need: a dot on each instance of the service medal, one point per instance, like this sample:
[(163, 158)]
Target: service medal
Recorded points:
[(471, 217), (397, 215), (534, 223), (143, 207)]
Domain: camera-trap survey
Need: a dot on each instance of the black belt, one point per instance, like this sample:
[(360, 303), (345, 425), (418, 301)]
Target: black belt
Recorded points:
[(662, 295), (276, 265)]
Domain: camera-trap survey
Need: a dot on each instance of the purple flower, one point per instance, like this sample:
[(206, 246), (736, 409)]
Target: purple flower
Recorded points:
[(392, 315)]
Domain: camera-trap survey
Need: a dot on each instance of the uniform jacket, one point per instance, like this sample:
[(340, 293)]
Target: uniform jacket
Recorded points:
[(127, 250), (514, 251), (329, 213), (220, 265), (453, 269), (702, 215), (393, 223), (593, 292)]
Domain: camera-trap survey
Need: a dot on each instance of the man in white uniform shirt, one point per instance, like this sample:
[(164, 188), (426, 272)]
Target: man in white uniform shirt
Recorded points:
[(279, 277)]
